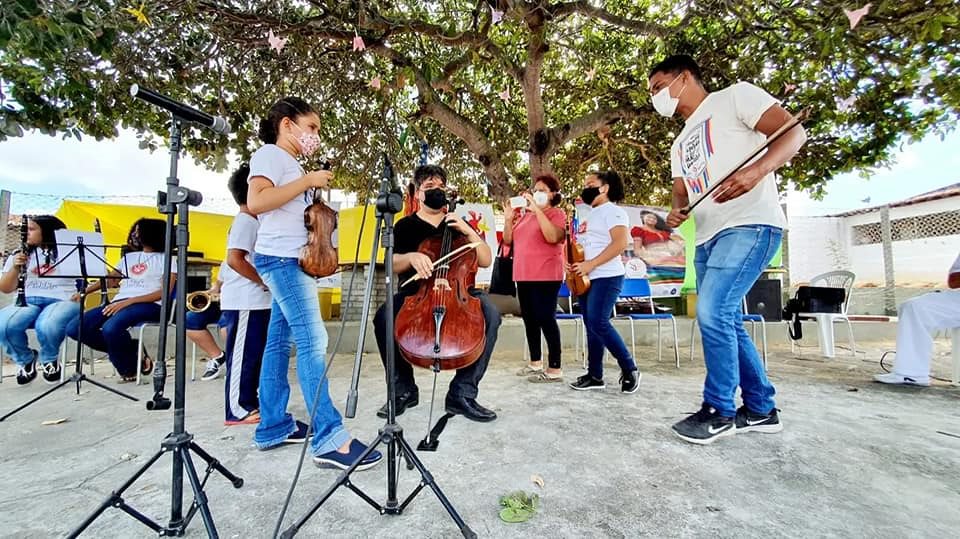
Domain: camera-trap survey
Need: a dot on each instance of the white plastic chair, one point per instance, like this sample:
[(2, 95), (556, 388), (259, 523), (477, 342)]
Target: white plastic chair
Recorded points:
[(955, 335), (832, 279), (147, 325)]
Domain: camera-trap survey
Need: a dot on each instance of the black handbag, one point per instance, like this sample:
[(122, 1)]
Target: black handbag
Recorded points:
[(501, 281), (812, 299)]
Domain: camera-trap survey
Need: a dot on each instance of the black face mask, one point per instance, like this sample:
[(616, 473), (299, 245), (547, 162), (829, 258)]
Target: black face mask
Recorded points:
[(435, 199), (589, 194)]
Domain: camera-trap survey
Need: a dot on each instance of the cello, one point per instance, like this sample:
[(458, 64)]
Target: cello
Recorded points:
[(442, 326), (577, 284)]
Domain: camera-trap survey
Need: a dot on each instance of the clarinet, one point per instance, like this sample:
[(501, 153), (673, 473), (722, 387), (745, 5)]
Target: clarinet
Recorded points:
[(22, 278), (103, 281)]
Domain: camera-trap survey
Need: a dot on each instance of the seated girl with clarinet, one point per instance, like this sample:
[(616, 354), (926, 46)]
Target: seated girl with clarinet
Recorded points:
[(46, 303)]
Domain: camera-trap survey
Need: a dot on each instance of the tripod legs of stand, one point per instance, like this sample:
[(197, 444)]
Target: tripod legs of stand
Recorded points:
[(179, 446), (77, 378), (391, 435)]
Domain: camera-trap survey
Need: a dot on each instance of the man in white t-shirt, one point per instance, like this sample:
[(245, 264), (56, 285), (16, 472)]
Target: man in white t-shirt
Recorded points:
[(738, 231), (919, 318), (245, 303)]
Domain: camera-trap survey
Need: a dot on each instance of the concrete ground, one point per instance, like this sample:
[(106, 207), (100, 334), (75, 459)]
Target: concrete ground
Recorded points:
[(856, 459)]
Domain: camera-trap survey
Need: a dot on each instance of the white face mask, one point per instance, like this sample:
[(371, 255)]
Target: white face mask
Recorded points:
[(540, 198), (664, 104)]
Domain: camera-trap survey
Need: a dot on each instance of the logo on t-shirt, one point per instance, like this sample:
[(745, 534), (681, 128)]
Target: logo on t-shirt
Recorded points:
[(138, 269), (695, 151)]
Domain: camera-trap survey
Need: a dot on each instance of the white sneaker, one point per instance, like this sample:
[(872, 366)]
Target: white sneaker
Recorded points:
[(899, 379)]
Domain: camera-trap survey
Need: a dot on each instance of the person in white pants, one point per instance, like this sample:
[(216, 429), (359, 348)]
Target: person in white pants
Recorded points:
[(919, 318)]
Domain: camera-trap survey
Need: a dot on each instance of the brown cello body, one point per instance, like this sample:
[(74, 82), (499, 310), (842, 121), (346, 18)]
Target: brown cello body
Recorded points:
[(442, 326), (318, 258), (578, 284)]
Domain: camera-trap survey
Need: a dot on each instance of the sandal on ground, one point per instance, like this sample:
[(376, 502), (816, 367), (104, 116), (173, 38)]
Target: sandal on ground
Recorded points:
[(544, 378), (250, 419), (147, 366), (527, 370)]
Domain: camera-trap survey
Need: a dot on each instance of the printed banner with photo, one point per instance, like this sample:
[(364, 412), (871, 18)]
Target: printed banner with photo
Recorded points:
[(480, 217), (656, 252)]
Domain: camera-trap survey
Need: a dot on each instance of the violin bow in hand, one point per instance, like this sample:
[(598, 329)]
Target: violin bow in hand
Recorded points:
[(784, 129)]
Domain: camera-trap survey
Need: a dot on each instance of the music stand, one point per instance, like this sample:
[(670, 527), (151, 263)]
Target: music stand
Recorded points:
[(81, 249)]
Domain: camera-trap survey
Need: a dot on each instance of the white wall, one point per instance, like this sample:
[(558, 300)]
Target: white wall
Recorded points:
[(817, 245), (917, 262)]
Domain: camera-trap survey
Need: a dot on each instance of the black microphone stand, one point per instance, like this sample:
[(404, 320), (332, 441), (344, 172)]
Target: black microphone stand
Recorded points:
[(389, 202), (175, 201)]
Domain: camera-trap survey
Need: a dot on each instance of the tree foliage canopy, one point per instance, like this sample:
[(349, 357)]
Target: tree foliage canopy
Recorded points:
[(499, 89)]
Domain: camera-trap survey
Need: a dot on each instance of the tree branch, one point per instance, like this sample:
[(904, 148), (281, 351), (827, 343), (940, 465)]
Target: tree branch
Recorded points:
[(592, 121), (584, 8)]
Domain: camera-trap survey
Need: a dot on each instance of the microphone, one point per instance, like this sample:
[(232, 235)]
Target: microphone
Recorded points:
[(388, 175), (215, 123)]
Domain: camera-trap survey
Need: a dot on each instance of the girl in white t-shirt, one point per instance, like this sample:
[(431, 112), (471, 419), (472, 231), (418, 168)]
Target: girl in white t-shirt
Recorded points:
[(106, 328), (279, 192), (603, 242), (51, 303)]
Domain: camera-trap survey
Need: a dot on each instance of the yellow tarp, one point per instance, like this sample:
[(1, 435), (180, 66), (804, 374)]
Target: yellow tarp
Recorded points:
[(208, 231), (349, 225)]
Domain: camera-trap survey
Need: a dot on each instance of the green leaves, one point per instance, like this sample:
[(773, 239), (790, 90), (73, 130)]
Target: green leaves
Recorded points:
[(518, 506), (65, 68)]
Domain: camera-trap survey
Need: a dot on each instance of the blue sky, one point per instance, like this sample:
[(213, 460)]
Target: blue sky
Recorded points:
[(44, 165)]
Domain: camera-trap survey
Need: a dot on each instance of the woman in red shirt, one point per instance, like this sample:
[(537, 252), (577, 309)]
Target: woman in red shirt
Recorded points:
[(536, 234)]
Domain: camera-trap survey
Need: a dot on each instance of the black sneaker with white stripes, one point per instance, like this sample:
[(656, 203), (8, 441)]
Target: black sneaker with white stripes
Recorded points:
[(28, 372), (630, 381), (51, 372), (214, 366), (587, 382), (705, 426), (748, 421)]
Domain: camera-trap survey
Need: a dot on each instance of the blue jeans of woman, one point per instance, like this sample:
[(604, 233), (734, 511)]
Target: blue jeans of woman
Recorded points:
[(48, 316), (111, 334), (294, 317), (596, 306), (727, 266)]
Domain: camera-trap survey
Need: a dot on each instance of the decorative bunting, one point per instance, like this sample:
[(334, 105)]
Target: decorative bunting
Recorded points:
[(843, 105), (276, 43), (855, 15), (358, 44)]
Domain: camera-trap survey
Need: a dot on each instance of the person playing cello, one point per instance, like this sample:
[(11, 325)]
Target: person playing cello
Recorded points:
[(430, 182)]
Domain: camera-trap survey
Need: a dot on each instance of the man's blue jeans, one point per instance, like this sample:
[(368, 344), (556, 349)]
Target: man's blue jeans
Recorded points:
[(727, 267), (596, 306), (48, 316), (294, 316)]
